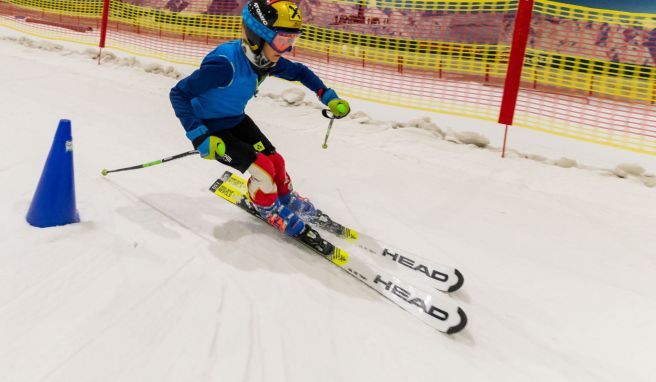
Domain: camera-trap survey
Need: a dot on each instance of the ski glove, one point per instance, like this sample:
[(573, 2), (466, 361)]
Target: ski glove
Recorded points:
[(210, 146), (338, 107)]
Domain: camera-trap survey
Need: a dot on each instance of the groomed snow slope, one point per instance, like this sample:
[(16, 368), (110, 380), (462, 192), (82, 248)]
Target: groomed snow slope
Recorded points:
[(163, 281)]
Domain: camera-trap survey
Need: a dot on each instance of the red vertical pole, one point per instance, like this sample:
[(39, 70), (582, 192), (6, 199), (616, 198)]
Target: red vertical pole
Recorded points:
[(515, 63), (103, 28), (505, 135)]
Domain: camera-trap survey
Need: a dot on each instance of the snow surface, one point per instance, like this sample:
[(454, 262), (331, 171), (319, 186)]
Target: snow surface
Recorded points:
[(163, 281)]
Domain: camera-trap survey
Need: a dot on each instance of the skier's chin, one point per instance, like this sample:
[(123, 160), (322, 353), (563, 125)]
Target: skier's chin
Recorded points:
[(271, 54)]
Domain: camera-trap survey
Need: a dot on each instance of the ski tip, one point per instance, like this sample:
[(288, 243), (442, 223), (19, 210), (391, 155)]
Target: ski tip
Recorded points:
[(461, 325), (457, 285)]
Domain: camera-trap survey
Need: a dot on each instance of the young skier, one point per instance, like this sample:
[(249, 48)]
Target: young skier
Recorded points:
[(210, 104)]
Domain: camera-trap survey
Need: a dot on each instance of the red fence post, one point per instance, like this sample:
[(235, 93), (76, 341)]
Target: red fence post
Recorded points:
[(103, 28), (515, 64)]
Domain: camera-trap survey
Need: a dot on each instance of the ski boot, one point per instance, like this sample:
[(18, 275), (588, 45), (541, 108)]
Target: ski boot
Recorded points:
[(301, 206), (282, 218)]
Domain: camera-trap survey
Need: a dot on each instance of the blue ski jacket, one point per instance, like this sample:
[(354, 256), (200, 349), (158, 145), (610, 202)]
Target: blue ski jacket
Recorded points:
[(215, 95)]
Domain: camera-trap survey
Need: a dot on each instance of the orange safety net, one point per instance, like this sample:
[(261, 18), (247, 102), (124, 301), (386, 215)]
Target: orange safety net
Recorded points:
[(75, 21), (588, 74)]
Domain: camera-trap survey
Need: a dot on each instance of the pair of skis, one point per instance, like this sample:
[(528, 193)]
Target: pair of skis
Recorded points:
[(371, 263)]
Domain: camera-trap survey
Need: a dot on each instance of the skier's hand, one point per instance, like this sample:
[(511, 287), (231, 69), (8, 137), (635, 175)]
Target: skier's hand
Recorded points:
[(211, 147), (338, 107)]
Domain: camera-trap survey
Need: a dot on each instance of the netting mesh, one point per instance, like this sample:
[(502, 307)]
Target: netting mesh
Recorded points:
[(75, 21), (411, 53), (588, 74), (591, 74)]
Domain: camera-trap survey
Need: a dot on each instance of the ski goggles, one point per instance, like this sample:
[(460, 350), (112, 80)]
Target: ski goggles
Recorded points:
[(284, 41), (280, 40)]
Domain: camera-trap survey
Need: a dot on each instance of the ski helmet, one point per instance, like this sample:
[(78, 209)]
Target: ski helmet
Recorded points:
[(276, 22)]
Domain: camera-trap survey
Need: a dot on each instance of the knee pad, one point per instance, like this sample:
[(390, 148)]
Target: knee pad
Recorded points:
[(261, 184), (281, 178)]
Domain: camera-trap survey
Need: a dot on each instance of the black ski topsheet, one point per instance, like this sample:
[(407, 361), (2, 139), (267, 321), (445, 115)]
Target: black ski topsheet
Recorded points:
[(441, 277), (435, 310)]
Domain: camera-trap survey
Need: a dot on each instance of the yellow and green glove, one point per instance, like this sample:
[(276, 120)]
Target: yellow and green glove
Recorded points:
[(338, 107), (210, 147)]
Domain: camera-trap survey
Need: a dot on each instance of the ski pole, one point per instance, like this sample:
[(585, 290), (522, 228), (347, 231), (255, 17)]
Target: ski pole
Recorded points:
[(330, 126), (105, 171)]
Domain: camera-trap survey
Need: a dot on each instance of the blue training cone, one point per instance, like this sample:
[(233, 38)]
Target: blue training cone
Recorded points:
[(54, 200)]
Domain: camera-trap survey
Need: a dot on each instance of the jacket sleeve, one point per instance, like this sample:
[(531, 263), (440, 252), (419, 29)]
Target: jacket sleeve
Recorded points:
[(294, 71), (214, 72)]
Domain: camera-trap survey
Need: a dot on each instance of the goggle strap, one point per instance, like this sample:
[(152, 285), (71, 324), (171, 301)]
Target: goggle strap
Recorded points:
[(259, 29)]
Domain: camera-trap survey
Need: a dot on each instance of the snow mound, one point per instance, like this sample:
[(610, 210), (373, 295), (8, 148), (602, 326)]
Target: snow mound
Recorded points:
[(649, 180), (360, 117), (110, 58), (423, 123), (566, 163), (293, 96), (630, 169), (471, 138), (633, 171), (106, 57), (37, 44), (168, 71)]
